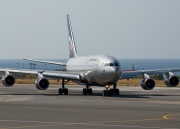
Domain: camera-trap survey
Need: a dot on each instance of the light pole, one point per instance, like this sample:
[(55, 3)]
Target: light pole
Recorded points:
[(34, 66), (45, 66), (30, 65), (23, 65), (17, 65), (132, 66)]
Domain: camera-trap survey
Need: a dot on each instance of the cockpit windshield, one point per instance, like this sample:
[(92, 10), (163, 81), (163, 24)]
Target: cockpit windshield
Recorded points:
[(112, 64), (116, 64)]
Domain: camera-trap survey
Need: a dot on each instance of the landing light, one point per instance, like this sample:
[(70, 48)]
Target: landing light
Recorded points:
[(107, 86)]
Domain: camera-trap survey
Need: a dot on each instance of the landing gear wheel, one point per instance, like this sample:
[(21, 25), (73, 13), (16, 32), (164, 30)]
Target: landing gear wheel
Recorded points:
[(112, 91), (84, 91), (63, 89), (89, 91), (60, 91), (108, 93), (116, 91), (66, 91)]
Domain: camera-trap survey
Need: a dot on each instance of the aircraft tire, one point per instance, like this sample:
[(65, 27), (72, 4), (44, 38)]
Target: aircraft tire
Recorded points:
[(89, 91), (109, 93), (60, 91), (112, 91), (66, 91), (84, 91), (116, 91)]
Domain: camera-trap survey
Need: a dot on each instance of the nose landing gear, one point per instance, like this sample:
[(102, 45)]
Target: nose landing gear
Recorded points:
[(106, 92), (113, 91)]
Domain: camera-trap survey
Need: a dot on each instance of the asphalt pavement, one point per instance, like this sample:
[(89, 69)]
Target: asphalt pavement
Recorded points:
[(24, 107)]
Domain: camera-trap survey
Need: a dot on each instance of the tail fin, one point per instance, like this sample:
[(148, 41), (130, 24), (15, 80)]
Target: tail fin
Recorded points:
[(72, 46)]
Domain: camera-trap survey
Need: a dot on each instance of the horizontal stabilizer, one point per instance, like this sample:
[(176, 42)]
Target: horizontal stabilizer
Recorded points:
[(47, 62)]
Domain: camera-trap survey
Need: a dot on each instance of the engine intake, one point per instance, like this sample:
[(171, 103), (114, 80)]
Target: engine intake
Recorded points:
[(172, 81), (8, 80), (42, 83), (148, 84)]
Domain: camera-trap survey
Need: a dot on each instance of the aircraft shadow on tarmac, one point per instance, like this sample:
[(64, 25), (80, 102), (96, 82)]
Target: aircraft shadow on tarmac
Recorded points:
[(94, 94), (99, 95)]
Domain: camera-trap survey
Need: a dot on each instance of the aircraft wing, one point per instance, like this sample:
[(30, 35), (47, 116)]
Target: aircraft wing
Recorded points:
[(50, 74), (62, 74), (133, 73), (48, 62), (28, 71)]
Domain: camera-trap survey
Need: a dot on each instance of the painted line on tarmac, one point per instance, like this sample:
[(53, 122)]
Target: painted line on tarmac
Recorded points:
[(87, 124), (22, 121), (126, 121), (51, 124), (166, 117), (128, 126)]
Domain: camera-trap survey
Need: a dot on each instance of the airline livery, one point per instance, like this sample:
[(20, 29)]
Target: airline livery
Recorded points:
[(95, 70)]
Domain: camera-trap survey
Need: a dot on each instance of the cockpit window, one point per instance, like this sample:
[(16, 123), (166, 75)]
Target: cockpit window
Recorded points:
[(106, 64), (111, 64), (116, 64)]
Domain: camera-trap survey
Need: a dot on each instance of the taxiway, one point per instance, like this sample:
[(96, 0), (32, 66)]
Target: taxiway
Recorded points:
[(23, 106)]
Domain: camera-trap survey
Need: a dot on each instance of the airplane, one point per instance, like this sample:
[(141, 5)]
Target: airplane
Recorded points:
[(94, 70)]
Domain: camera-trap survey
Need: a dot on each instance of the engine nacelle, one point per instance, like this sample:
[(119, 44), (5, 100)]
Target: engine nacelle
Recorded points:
[(42, 83), (172, 81), (148, 84), (8, 80)]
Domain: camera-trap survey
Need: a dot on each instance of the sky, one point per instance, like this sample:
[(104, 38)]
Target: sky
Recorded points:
[(125, 29)]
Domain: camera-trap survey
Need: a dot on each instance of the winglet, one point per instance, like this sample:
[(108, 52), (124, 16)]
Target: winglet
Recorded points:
[(72, 46)]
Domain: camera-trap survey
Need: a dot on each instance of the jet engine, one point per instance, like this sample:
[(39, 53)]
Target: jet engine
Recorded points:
[(42, 83), (171, 80), (8, 80), (148, 84)]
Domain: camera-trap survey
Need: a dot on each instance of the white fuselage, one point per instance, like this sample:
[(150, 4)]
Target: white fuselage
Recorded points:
[(96, 70)]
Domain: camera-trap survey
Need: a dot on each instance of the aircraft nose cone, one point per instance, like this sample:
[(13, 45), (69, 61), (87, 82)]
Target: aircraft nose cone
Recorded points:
[(115, 69)]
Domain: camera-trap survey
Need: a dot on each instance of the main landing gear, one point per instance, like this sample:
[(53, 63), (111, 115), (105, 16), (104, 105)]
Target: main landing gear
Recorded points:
[(87, 90), (109, 92), (63, 89)]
